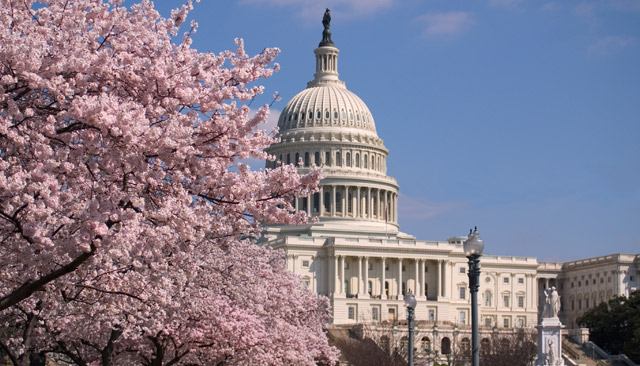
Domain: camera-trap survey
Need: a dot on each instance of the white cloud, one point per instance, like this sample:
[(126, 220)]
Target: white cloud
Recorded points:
[(443, 24), (411, 208), (606, 45), (313, 10)]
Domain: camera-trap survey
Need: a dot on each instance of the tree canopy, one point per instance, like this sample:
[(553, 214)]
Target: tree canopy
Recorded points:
[(126, 221), (615, 325)]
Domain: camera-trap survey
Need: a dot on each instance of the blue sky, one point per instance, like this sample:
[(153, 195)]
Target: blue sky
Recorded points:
[(519, 116)]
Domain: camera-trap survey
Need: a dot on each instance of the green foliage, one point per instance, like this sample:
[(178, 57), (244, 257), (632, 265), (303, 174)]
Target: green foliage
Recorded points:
[(615, 325)]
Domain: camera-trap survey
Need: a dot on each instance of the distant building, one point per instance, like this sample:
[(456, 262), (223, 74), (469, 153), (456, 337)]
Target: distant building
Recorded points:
[(355, 254), (586, 283)]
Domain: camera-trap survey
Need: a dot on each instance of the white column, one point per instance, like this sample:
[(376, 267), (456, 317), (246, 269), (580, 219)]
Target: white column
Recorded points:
[(344, 202), (358, 213), (369, 205), (297, 203), (359, 276), (395, 208), (336, 275), (366, 278), (448, 267), (417, 282), (309, 205), (423, 263), (378, 210), (293, 263), (333, 200), (400, 279), (342, 275), (383, 295), (321, 211), (439, 279)]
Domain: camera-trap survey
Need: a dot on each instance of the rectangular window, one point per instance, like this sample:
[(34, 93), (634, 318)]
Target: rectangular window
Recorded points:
[(352, 312), (505, 322), (505, 299), (386, 267), (346, 265), (520, 301), (370, 266), (462, 270), (505, 280), (463, 317), (432, 315), (462, 293), (487, 322), (305, 264), (521, 280), (520, 322), (375, 314), (306, 283), (403, 267)]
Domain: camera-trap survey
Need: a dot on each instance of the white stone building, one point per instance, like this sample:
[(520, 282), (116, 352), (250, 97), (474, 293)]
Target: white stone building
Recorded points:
[(586, 283), (356, 256), (355, 253)]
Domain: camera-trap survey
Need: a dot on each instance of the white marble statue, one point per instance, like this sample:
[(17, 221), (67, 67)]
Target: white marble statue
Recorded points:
[(551, 355), (551, 303)]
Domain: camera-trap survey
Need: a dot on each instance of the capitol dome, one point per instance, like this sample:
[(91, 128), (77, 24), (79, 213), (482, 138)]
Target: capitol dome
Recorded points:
[(327, 125)]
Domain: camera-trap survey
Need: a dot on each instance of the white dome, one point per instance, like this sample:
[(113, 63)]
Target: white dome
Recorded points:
[(326, 107)]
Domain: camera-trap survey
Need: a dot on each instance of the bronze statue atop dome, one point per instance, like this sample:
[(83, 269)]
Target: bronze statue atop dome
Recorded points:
[(326, 33)]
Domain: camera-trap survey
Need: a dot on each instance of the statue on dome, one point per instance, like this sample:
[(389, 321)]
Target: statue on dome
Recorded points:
[(326, 19), (326, 33)]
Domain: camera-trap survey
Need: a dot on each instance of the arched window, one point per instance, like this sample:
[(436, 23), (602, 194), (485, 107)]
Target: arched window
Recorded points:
[(445, 346), (327, 202), (319, 114), (338, 158), (465, 344), (370, 287), (316, 202), (485, 344), (426, 344), (346, 287), (338, 202), (366, 161), (487, 298), (404, 343), (327, 158), (288, 159), (307, 161), (373, 162), (348, 159), (357, 160), (350, 203), (386, 288), (316, 158), (297, 159)]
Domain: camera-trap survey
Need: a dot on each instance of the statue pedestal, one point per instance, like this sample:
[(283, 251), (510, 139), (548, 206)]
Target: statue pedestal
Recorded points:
[(550, 342)]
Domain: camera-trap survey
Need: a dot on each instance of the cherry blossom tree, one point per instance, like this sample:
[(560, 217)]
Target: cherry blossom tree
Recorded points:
[(127, 225)]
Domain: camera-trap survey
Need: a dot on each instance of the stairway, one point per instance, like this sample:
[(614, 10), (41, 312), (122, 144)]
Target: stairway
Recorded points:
[(581, 356)]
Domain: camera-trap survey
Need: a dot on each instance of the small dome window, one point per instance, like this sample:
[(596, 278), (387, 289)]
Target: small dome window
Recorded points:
[(319, 114), (302, 116), (350, 115), (290, 117), (344, 115), (335, 114), (358, 117), (295, 117), (326, 114)]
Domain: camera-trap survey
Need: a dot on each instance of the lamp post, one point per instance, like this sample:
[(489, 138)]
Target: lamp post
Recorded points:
[(410, 301), (473, 250)]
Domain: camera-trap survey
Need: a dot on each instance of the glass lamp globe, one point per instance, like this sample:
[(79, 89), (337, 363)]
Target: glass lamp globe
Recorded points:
[(410, 300), (473, 245)]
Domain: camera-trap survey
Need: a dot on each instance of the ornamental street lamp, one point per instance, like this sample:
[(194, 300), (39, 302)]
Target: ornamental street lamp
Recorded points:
[(411, 302), (473, 250)]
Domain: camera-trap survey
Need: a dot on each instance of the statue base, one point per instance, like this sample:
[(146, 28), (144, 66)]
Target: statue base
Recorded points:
[(549, 342)]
